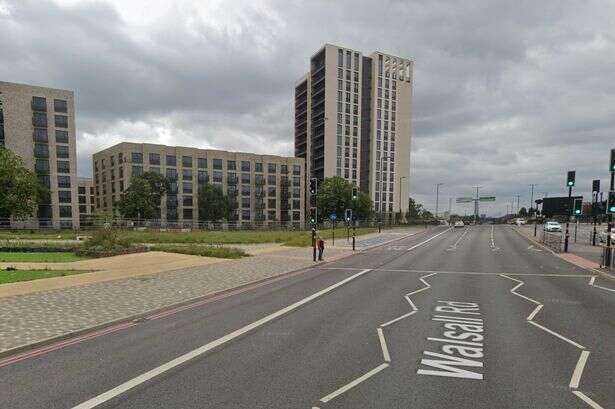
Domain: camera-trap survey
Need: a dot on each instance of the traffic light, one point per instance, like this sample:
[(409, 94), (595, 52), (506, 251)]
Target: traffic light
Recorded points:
[(313, 186), (313, 215), (610, 203), (348, 215), (612, 168), (354, 193), (571, 176), (596, 185), (578, 207)]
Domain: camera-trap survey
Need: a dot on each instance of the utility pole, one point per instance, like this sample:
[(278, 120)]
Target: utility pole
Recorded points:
[(531, 207), (437, 197), (476, 204), (570, 183), (450, 207), (518, 198)]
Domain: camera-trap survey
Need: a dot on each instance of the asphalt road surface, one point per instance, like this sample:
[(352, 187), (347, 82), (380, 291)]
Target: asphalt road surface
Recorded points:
[(475, 317)]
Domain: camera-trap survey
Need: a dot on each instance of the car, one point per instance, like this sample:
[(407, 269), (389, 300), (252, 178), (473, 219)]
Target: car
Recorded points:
[(459, 223), (602, 235), (553, 227), (520, 222)]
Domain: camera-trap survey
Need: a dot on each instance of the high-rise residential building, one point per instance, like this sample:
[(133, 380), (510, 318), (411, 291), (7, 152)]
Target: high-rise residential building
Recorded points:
[(38, 124), (353, 118), (85, 198), (262, 188)]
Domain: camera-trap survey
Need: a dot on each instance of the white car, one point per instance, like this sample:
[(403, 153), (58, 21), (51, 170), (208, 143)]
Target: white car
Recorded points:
[(602, 235), (553, 227), (459, 223), (520, 222)]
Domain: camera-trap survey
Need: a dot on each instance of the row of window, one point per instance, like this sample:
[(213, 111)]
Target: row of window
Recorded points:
[(40, 135), (349, 59), (39, 119), (41, 150), (245, 215), (392, 67), (42, 166), (40, 104)]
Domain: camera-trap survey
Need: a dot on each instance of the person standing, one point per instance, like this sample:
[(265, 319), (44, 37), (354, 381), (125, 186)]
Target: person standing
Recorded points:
[(320, 243)]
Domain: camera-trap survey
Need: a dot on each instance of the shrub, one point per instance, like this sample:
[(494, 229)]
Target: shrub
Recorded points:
[(204, 251), (107, 243)]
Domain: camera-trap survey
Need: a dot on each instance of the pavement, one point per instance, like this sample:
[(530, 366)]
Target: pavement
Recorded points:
[(447, 318)]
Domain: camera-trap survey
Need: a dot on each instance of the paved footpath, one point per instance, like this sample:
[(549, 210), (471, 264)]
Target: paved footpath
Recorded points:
[(33, 318)]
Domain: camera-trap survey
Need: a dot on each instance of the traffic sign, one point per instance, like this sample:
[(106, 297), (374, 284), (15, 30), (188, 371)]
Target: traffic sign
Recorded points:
[(464, 200), (333, 217), (487, 199)]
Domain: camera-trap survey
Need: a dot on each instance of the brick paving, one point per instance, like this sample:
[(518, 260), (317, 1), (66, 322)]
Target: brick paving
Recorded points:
[(31, 318)]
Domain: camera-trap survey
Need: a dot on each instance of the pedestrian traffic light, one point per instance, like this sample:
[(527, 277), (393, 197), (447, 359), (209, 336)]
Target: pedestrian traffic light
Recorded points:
[(612, 168), (313, 186), (313, 215), (354, 193), (577, 209), (610, 203), (571, 176), (348, 215)]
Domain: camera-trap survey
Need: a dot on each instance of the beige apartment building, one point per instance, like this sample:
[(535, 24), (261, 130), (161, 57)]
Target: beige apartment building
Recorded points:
[(263, 188), (85, 198), (38, 124), (353, 118)]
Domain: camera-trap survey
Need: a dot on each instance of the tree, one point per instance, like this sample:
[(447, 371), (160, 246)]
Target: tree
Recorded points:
[(21, 190), (143, 196), (414, 210), (523, 212), (335, 196), (213, 204)]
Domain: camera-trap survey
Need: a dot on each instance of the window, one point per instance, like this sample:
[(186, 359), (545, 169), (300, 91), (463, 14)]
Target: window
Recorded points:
[(340, 57), (154, 159), (284, 169), (59, 105), (66, 211), (137, 170), (296, 181), (64, 196), (187, 214), (39, 119), (271, 191), (271, 168), (201, 163), (63, 166), (40, 135), (187, 174), (217, 175), (64, 182), (81, 189), (245, 178), (296, 192), (245, 166), (187, 187), (245, 202), (218, 164), (356, 61), (231, 165), (187, 201), (271, 203), (62, 151), (61, 121), (245, 215), (245, 190), (203, 177), (296, 204), (137, 157), (39, 104), (187, 161), (171, 160), (41, 150), (271, 179), (258, 167)]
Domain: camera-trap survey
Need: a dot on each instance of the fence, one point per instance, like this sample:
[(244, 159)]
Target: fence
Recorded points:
[(552, 240)]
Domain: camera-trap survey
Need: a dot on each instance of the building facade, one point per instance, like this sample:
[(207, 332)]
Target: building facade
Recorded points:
[(353, 118), (86, 200), (262, 188), (38, 124)]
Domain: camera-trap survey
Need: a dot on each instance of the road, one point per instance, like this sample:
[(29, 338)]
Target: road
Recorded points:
[(448, 318)]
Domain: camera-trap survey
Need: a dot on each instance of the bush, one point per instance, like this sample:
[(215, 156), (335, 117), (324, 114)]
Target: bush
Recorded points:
[(204, 251), (107, 243)]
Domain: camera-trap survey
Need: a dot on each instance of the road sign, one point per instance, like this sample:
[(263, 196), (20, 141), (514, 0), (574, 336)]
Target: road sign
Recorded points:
[(487, 198), (464, 200), (333, 217)]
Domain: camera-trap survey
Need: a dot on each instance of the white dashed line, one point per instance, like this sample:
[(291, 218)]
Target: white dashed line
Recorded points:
[(533, 314), (383, 345), (563, 338), (578, 370), (354, 383), (587, 400)]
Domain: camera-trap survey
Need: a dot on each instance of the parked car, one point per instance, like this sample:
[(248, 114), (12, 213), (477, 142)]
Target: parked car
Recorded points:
[(459, 223), (553, 227), (602, 235)]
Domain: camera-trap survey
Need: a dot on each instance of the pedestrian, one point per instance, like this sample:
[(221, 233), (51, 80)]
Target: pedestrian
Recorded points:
[(320, 243)]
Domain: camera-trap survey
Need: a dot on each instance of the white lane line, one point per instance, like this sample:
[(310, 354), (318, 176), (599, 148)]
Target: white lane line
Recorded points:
[(493, 247), (591, 283), (126, 386), (354, 383), (383, 345), (591, 280), (428, 240), (587, 400), (563, 338), (533, 314), (401, 317), (578, 370), (514, 290), (454, 246)]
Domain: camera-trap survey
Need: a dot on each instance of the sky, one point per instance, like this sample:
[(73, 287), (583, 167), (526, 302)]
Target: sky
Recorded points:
[(506, 93)]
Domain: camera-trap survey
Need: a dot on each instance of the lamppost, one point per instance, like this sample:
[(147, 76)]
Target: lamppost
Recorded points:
[(400, 212), (532, 206), (437, 197)]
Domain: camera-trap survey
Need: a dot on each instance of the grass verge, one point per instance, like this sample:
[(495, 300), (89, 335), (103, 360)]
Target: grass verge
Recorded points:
[(204, 251), (38, 257), (14, 276)]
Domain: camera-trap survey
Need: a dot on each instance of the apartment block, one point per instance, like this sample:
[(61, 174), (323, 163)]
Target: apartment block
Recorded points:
[(353, 118), (38, 124), (262, 188), (86, 200)]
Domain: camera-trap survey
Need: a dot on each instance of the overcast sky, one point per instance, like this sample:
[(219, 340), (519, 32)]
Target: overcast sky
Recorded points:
[(507, 93)]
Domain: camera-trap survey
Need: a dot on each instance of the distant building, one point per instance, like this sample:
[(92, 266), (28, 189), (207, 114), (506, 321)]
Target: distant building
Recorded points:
[(38, 124), (263, 188), (85, 196), (353, 117)]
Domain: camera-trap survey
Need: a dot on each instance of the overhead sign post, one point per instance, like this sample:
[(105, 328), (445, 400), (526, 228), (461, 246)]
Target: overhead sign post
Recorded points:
[(487, 198)]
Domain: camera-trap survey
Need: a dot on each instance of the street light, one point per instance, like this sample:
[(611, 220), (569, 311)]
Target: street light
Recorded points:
[(437, 197)]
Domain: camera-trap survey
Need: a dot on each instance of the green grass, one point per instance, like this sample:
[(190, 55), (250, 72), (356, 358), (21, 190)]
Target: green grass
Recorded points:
[(28, 275), (205, 251), (42, 234), (38, 257)]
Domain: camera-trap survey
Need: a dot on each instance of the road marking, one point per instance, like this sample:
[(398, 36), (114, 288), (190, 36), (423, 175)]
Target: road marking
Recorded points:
[(354, 383), (493, 247), (587, 400), (513, 290), (571, 342), (591, 280), (401, 317), (126, 386), (533, 314), (428, 240), (454, 246), (578, 370), (383, 345)]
